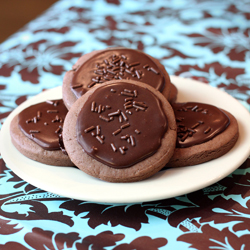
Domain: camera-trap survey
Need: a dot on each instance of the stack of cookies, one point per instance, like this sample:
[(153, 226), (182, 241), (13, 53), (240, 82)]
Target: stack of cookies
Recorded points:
[(119, 121)]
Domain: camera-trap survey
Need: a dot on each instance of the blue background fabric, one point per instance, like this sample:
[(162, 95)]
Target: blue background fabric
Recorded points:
[(207, 41)]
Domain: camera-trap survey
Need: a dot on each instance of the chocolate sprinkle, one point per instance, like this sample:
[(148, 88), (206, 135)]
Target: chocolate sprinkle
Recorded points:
[(129, 106), (29, 120), (122, 151), (125, 126), (58, 130), (99, 139), (129, 99), (184, 137), (127, 94), (127, 103), (153, 70), (128, 90), (124, 137), (116, 132), (195, 125), (125, 118), (138, 107), (207, 130), (115, 113), (89, 129), (132, 139), (98, 130), (194, 108), (93, 107), (120, 118), (106, 119), (91, 84), (113, 147), (99, 109), (52, 111), (138, 74), (128, 112), (137, 131)]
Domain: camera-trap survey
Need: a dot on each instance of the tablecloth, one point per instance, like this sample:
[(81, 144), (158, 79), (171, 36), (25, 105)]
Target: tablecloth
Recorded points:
[(206, 40)]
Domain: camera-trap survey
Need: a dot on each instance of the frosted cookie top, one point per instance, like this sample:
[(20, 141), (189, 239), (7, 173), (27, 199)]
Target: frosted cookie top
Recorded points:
[(117, 64), (121, 124), (198, 123), (43, 123)]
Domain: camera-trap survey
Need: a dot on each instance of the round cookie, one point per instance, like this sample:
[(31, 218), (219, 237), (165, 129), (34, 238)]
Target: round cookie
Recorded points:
[(204, 133), (126, 129), (36, 133), (111, 64)]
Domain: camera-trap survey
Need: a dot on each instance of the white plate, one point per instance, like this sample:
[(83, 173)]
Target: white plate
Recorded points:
[(71, 182)]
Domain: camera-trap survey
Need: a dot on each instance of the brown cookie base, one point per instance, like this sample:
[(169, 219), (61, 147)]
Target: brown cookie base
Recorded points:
[(33, 151), (68, 96), (139, 171), (207, 151), (173, 94)]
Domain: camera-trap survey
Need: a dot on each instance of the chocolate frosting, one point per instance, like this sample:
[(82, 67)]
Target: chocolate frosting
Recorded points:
[(198, 123), (117, 64), (43, 122), (121, 124)]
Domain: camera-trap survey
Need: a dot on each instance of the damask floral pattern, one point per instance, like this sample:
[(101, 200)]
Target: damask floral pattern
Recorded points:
[(204, 40), (37, 58)]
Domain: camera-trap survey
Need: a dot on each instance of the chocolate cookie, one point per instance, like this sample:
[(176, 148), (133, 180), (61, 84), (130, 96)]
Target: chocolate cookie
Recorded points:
[(173, 94), (120, 131), (36, 133), (204, 132), (110, 64)]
